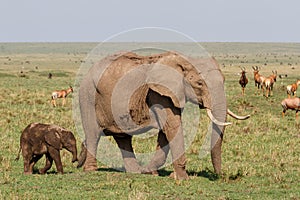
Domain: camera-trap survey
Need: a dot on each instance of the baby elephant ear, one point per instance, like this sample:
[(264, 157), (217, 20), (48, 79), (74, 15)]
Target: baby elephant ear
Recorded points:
[(167, 82), (53, 139)]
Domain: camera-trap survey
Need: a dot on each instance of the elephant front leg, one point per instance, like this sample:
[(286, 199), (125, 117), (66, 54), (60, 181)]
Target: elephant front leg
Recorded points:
[(174, 134), (125, 144), (55, 155), (90, 163), (48, 165), (160, 156), (169, 120)]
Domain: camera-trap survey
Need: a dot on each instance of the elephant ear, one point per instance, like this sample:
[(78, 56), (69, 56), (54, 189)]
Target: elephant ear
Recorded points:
[(53, 139), (167, 81)]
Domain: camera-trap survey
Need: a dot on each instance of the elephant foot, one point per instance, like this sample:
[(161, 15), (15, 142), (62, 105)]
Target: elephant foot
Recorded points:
[(154, 173), (132, 166), (27, 173), (179, 169), (179, 176), (90, 168), (90, 163), (42, 171), (150, 169)]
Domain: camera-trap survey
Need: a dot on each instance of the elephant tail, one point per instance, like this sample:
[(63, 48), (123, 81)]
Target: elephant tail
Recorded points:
[(82, 156), (18, 156)]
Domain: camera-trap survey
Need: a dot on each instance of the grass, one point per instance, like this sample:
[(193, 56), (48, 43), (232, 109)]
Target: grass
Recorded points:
[(260, 155)]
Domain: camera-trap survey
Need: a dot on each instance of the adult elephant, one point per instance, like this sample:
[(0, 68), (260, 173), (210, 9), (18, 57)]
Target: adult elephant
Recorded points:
[(127, 94)]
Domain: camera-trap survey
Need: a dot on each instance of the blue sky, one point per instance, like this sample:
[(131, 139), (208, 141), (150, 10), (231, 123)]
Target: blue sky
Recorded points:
[(97, 20)]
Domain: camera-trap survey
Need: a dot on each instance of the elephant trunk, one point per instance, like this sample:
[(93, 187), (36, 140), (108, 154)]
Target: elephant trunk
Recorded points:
[(82, 156), (216, 151), (74, 159), (219, 115), (217, 138), (73, 150)]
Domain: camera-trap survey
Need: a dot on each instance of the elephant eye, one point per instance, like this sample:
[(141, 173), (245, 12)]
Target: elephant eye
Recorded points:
[(199, 83)]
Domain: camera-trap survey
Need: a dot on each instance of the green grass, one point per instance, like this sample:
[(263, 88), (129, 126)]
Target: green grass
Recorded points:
[(260, 156)]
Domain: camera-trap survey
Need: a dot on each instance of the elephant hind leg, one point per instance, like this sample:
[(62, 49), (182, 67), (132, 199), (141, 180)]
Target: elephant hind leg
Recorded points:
[(125, 145), (48, 165), (27, 166), (89, 152), (33, 161), (160, 155)]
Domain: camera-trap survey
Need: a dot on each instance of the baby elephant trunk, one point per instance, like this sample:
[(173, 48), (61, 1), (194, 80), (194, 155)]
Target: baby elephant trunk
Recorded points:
[(74, 157), (73, 150), (69, 143)]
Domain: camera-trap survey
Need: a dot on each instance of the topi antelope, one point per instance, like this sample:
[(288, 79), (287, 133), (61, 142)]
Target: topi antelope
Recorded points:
[(243, 80), (60, 94), (269, 82), (292, 89), (292, 104), (258, 79)]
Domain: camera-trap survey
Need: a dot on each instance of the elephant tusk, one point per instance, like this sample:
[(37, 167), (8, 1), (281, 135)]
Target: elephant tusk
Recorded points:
[(214, 120), (229, 112)]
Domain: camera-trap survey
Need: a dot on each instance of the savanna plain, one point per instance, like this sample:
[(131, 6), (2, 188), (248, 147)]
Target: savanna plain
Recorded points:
[(260, 156)]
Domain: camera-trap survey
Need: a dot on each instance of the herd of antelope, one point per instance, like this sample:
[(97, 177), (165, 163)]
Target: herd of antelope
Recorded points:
[(265, 84)]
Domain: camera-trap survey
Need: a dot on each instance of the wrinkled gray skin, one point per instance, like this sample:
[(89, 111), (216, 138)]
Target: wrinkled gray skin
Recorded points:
[(39, 139), (201, 83)]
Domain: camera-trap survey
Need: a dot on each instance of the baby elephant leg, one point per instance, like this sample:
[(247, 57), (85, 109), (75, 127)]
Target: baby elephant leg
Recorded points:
[(30, 162), (34, 160), (27, 166), (48, 165), (55, 155), (27, 157)]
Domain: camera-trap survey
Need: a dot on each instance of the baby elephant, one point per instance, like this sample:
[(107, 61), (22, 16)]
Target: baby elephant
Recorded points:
[(38, 139)]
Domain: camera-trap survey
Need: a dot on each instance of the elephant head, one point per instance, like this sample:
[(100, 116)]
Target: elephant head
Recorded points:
[(59, 138), (201, 82)]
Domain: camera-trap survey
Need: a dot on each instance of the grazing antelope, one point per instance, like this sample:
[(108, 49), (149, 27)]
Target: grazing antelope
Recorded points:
[(292, 89), (258, 79), (269, 82), (292, 104), (60, 94), (243, 80)]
